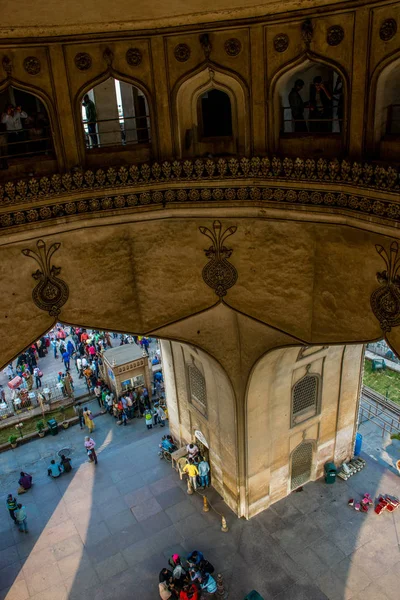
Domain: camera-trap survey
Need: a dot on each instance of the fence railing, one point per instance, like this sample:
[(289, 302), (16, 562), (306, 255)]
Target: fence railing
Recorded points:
[(376, 409), (25, 143), (138, 133), (308, 124)]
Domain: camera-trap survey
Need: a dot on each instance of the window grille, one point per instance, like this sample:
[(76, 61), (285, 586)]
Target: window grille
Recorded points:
[(197, 386), (301, 465), (305, 399)]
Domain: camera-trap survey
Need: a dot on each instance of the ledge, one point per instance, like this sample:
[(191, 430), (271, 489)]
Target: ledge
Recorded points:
[(368, 190)]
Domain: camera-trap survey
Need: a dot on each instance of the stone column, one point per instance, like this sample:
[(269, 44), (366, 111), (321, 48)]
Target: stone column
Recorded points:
[(257, 97), (161, 108), (356, 106), (105, 100), (128, 93)]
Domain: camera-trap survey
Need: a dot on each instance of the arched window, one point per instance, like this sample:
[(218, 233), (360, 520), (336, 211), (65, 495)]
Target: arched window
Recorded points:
[(312, 100), (215, 114), (115, 113), (305, 399), (197, 387), (25, 131), (301, 465), (387, 112)]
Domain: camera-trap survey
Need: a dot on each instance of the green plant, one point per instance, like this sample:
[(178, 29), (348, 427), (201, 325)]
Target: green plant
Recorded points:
[(13, 439), (40, 426), (395, 436)]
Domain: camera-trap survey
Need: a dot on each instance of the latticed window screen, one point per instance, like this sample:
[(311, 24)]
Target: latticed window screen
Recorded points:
[(197, 385), (305, 398), (301, 464)]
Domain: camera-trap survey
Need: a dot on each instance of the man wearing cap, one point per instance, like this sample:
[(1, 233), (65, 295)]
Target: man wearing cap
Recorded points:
[(12, 507)]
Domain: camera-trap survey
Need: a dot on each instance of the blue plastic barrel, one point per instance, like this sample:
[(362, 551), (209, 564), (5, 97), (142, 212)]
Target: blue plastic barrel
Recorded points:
[(358, 444)]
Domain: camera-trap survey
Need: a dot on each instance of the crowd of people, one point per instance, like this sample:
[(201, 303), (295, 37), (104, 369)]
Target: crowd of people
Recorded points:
[(187, 580)]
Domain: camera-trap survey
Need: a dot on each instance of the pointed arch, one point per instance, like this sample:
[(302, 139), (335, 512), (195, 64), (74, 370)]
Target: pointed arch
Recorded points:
[(98, 80), (51, 112), (382, 91), (283, 75), (186, 114)]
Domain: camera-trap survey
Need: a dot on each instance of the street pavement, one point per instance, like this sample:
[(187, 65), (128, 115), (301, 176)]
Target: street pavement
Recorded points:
[(105, 531)]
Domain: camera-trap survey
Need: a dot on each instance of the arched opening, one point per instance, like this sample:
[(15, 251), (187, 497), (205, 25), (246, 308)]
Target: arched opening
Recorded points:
[(207, 110), (309, 110), (301, 467), (25, 131), (215, 114), (115, 113), (387, 112)]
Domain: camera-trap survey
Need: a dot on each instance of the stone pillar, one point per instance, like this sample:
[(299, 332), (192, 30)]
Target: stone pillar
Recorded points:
[(161, 108), (105, 100), (65, 141), (128, 93), (257, 97), (357, 85)]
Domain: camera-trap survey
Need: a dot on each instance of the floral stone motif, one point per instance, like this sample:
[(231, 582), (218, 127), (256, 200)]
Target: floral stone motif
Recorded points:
[(385, 301), (83, 61), (233, 47), (134, 57), (219, 274), (51, 292), (32, 65), (281, 42), (335, 35), (182, 52), (388, 30)]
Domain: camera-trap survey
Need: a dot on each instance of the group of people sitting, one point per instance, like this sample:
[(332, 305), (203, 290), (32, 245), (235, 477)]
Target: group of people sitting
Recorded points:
[(189, 581), (56, 469)]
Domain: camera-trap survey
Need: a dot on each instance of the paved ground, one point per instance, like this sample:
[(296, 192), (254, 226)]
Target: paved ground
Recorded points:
[(105, 532), (379, 448)]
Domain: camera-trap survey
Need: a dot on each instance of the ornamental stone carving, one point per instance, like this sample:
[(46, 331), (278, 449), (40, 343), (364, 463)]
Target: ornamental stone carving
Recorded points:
[(307, 32), (83, 61), (281, 42), (32, 65), (108, 56), (51, 292), (335, 35), (385, 301), (182, 52), (134, 57), (7, 65), (388, 30), (205, 43), (219, 274), (233, 47)]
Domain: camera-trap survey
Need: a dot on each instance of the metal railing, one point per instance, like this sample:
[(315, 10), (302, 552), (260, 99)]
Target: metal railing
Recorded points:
[(378, 410), (23, 143), (309, 125), (382, 349), (140, 133)]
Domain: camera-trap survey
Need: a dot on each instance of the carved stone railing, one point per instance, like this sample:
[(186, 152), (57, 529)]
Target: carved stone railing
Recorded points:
[(331, 184)]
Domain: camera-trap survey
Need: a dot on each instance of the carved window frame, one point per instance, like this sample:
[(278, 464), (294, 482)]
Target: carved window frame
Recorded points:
[(310, 411), (197, 403)]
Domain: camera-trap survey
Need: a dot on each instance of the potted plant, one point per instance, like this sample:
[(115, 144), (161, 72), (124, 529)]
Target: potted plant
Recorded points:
[(65, 423), (13, 441), (40, 427)]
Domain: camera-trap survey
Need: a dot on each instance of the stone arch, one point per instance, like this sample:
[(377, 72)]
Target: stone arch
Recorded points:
[(384, 93), (91, 84), (270, 438), (186, 99), (49, 105), (280, 83)]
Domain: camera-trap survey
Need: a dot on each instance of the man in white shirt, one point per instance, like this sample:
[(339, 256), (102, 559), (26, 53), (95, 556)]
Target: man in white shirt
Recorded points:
[(15, 133), (79, 367)]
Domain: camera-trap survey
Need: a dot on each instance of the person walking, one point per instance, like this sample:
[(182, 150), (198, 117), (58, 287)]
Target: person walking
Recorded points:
[(90, 449), (87, 415), (54, 345), (97, 393), (66, 358), (37, 375), (192, 472), (12, 506), (21, 517), (161, 416), (79, 412), (148, 418)]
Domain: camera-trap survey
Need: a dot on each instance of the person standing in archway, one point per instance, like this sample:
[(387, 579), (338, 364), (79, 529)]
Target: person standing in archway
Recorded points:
[(320, 107), (297, 107), (91, 118)]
